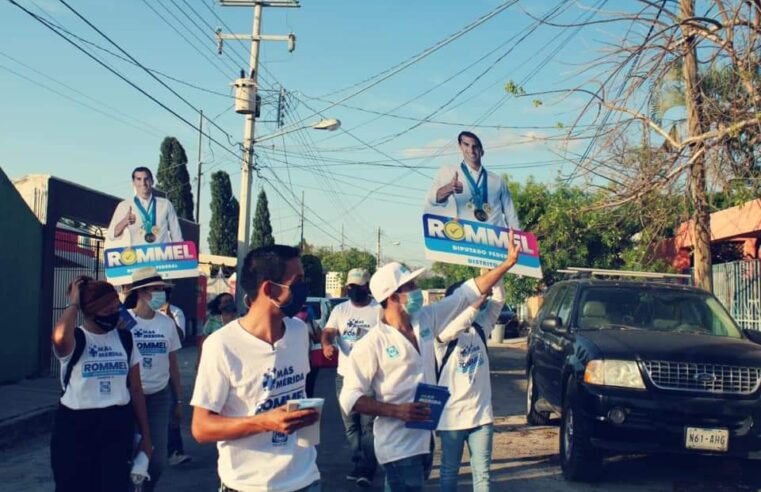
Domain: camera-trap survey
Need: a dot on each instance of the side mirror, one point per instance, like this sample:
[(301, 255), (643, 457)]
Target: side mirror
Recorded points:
[(552, 323), (753, 335)]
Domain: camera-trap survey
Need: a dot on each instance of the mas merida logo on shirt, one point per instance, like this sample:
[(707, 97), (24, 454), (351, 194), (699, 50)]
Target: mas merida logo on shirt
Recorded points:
[(281, 385), (353, 330), (96, 367)]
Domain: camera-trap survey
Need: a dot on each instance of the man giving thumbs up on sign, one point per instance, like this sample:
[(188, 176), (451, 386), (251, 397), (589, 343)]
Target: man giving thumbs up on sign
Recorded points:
[(467, 191)]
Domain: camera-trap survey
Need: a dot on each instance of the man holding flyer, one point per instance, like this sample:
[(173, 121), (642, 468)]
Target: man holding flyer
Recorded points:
[(468, 191), (251, 371), (396, 357), (145, 218)]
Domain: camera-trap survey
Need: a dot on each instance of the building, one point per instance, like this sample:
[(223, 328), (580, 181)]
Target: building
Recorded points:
[(333, 284)]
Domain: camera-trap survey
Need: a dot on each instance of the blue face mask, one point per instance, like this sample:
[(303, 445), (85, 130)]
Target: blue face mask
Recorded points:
[(414, 301), (158, 299)]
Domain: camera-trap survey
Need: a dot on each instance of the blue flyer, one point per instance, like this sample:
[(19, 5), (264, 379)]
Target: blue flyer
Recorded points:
[(436, 397)]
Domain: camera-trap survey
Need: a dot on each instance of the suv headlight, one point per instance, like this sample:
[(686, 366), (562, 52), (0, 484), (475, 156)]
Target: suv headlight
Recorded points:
[(621, 373)]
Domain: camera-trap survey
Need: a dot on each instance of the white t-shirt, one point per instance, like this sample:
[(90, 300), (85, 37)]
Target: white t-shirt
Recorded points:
[(99, 378), (466, 372), (352, 323), (385, 364), (498, 196), (179, 318), (241, 375), (155, 338)]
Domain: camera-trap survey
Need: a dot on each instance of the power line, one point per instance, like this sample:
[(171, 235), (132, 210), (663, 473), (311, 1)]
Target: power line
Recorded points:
[(151, 74), (115, 72), (38, 82), (51, 20), (377, 79)]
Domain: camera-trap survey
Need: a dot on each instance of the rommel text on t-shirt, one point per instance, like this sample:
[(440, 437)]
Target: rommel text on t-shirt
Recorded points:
[(99, 378), (155, 338)]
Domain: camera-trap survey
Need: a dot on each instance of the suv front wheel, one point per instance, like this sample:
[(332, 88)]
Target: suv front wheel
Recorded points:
[(579, 460), (534, 417)]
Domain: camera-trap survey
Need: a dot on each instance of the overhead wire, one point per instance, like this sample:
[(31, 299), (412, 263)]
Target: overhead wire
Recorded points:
[(115, 72), (139, 64)]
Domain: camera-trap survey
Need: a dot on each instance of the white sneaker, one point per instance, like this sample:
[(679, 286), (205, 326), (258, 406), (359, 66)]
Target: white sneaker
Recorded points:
[(176, 458)]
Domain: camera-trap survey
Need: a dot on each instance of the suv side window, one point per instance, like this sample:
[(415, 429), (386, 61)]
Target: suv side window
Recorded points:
[(565, 307), (548, 301), (554, 303)]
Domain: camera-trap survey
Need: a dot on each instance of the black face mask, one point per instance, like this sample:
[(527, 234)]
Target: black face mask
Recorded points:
[(299, 293), (107, 322), (357, 294)]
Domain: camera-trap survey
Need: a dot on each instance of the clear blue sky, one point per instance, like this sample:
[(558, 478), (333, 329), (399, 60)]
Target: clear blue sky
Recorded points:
[(340, 43)]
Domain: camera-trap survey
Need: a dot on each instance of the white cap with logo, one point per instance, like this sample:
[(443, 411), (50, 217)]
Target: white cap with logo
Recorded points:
[(357, 276), (388, 278)]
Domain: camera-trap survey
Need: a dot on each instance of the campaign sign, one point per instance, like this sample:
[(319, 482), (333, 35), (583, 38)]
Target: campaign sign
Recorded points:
[(477, 244), (171, 260)]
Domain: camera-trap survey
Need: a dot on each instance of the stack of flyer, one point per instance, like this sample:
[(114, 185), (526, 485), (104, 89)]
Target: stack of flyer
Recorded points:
[(436, 397), (309, 435)]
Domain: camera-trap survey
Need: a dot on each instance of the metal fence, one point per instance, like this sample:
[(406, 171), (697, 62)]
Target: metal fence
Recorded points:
[(738, 287), (76, 253)]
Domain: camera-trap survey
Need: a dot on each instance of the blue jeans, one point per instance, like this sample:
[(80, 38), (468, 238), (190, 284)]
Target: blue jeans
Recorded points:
[(157, 406), (405, 475), (174, 439), (479, 441), (359, 433)]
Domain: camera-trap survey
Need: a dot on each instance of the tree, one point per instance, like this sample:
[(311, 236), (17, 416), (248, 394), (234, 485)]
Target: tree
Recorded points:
[(262, 232), (343, 261), (173, 178), (314, 275), (714, 141), (223, 227)]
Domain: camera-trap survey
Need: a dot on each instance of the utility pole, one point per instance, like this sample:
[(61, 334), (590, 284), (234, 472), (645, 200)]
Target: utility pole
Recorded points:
[(301, 242), (199, 174), (342, 237), (244, 217), (694, 102), (378, 250)]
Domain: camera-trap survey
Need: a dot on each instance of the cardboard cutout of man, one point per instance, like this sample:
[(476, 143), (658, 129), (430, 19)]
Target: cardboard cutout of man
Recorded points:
[(144, 219), (468, 191)]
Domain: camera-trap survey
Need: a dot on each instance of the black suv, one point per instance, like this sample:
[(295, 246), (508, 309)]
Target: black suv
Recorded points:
[(641, 367)]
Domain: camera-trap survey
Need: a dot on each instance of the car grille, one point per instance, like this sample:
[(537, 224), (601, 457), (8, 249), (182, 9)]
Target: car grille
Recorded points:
[(704, 378)]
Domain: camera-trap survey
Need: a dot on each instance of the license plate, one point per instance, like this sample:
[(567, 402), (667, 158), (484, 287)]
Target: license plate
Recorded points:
[(706, 439)]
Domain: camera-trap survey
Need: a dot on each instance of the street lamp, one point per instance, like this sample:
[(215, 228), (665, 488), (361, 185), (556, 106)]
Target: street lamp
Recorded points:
[(330, 125), (244, 215)]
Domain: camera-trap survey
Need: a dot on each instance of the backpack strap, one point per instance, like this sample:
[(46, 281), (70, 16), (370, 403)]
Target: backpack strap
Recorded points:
[(481, 334), (447, 354), (453, 344), (127, 342), (79, 347)]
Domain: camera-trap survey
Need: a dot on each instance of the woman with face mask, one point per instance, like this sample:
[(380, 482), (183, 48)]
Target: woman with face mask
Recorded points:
[(157, 340), (93, 438), (222, 310)]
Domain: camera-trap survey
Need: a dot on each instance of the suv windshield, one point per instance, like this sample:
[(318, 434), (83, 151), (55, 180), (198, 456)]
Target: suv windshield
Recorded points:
[(654, 309)]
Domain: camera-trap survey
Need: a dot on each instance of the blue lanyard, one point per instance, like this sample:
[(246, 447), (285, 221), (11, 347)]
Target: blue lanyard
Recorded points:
[(479, 193), (148, 216)]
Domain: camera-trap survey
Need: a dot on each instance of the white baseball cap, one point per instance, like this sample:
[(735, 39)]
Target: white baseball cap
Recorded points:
[(387, 279), (357, 276)]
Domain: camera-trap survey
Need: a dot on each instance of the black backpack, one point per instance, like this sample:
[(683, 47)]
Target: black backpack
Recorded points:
[(80, 341), (453, 344)]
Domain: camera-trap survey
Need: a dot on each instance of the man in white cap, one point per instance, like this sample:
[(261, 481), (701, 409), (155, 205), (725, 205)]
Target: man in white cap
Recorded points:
[(348, 322), (386, 366)]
